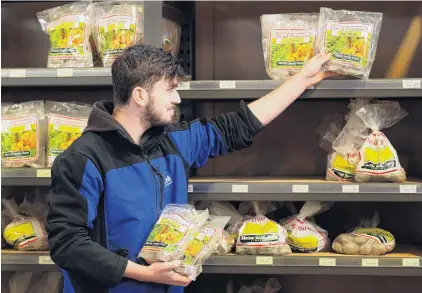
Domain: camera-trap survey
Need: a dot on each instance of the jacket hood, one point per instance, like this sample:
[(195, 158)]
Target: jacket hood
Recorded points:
[(101, 120)]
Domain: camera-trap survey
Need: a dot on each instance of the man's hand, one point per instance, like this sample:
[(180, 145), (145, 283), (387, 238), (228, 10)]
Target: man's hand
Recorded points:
[(312, 72), (159, 272), (163, 273), (267, 108)]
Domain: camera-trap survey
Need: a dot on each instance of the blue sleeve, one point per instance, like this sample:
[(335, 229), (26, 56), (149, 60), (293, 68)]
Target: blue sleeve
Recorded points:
[(204, 138), (76, 188)]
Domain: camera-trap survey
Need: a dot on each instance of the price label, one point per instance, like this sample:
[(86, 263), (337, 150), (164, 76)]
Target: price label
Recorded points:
[(183, 86), (304, 188), (44, 173), (411, 84), (64, 72), (411, 262), (264, 260), (348, 188), (45, 260), (17, 73), (227, 84), (190, 188), (240, 188), (327, 262), (407, 188), (369, 262)]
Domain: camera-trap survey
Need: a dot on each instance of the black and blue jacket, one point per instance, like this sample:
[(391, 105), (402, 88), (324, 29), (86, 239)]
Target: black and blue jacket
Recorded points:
[(107, 192)]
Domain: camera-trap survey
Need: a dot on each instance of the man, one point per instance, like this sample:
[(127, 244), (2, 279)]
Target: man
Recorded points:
[(110, 186)]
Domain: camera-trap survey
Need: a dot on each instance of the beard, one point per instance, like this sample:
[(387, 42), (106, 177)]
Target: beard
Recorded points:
[(155, 117)]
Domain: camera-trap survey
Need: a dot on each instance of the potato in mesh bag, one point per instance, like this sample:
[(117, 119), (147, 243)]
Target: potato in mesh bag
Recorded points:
[(378, 160), (365, 241), (172, 233), (303, 235), (201, 246), (288, 42), (68, 27), (23, 131)]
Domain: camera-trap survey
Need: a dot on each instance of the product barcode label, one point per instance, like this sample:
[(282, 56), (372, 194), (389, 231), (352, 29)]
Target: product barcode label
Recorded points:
[(190, 188), (412, 84), (44, 173), (227, 84), (407, 188), (348, 188), (264, 260), (411, 262), (327, 262), (45, 260), (64, 72), (240, 188), (183, 86), (17, 73), (370, 262), (303, 188)]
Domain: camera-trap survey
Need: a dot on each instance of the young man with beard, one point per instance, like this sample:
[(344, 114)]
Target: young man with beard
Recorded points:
[(110, 186)]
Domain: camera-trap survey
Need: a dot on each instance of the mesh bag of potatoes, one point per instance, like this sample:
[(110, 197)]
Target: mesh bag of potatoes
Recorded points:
[(262, 236), (365, 240), (378, 159)]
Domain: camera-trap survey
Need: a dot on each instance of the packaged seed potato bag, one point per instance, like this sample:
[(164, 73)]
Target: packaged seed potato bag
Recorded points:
[(172, 233), (304, 235), (288, 42), (262, 236), (68, 27), (201, 246), (24, 233), (116, 26), (351, 37), (66, 122), (343, 159), (23, 135), (378, 160), (365, 240)]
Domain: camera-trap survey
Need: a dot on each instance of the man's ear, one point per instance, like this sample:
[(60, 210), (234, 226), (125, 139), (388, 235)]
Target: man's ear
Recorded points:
[(140, 96)]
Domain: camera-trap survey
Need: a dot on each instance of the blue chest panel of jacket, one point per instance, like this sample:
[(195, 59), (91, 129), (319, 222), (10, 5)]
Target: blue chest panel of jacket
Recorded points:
[(134, 199)]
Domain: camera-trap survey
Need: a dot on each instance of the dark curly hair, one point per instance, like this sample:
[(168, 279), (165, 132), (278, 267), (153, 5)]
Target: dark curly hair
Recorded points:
[(143, 65)]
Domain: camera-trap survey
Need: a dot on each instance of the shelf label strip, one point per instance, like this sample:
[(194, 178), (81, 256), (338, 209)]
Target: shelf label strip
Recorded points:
[(303, 188), (43, 173), (370, 262), (264, 260), (327, 262), (227, 84), (411, 84), (45, 260), (18, 73), (236, 188), (407, 188), (411, 262), (350, 188)]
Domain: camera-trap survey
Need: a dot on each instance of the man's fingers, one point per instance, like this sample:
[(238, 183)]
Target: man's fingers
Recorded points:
[(324, 57), (180, 280), (171, 265)]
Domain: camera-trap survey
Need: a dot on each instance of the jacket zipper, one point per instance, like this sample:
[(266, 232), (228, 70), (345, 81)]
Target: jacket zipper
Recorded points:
[(160, 175)]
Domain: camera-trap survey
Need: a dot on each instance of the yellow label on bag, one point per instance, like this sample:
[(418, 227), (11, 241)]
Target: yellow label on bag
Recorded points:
[(13, 233)]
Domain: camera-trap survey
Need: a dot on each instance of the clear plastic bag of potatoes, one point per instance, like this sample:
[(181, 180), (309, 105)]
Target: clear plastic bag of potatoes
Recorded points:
[(288, 42), (116, 26), (351, 37), (68, 27), (23, 132), (201, 246), (24, 233), (365, 240), (226, 243), (172, 233), (262, 236), (379, 160), (343, 159), (305, 236)]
